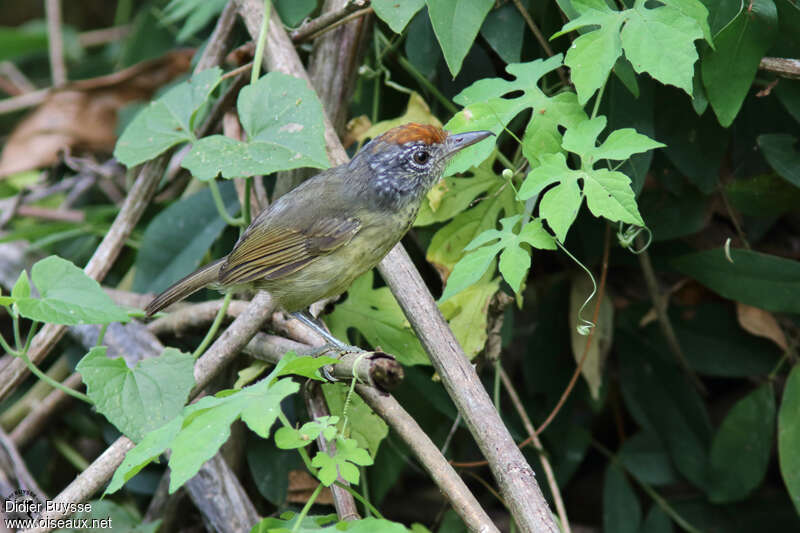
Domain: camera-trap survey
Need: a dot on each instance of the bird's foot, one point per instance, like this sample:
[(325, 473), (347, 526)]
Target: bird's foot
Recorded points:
[(335, 350)]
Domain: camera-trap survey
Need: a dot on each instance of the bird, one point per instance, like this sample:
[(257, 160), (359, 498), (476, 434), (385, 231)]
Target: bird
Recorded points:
[(315, 240)]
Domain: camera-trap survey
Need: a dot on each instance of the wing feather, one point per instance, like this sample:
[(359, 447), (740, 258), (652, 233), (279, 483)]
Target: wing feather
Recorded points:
[(270, 251)]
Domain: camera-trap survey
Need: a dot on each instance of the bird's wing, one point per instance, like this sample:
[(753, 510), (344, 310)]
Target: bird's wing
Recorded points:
[(272, 251)]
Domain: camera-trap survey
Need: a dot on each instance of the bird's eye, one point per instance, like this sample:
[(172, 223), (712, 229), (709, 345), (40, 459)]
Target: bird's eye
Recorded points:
[(421, 157)]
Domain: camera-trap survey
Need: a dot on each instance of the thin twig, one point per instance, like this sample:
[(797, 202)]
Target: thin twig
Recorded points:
[(103, 36), (352, 16), (660, 305), (783, 67), (537, 444), (16, 77), (63, 215), (55, 39), (326, 20)]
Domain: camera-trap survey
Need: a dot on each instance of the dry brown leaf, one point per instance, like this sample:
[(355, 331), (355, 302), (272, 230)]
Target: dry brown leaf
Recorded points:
[(760, 323), (82, 116), (302, 484)]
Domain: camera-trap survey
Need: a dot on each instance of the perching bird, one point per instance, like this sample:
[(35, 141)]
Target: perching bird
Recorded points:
[(319, 237)]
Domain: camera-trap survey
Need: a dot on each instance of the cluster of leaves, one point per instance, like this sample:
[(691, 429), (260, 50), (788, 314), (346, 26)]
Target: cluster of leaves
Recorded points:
[(670, 76)]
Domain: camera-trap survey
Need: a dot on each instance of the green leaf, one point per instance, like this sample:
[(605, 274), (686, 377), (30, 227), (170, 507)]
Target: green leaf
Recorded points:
[(293, 12), (203, 427), (190, 225), (456, 25), (781, 153), (376, 314), (140, 400), (608, 194), (763, 195), (207, 424), (789, 436), (660, 41), (167, 121), (290, 438), (454, 195), (22, 287), (754, 278), (269, 468), (661, 400), (348, 455), (645, 457), (305, 366), (368, 429), (514, 260), (745, 440), (656, 521), (283, 120), (66, 296), (198, 14), (622, 512), (468, 313), (449, 242), (504, 29), (657, 40), (715, 344), (487, 108), (397, 14), (149, 449), (729, 71)]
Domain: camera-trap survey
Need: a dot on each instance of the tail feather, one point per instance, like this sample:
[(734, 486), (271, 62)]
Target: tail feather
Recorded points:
[(185, 287)]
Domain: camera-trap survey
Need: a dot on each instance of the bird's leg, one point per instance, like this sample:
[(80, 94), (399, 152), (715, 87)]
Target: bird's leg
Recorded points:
[(332, 343)]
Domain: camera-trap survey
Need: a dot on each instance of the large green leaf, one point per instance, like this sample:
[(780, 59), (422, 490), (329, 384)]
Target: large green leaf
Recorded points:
[(488, 108), (745, 440), (658, 40), (66, 296), (728, 71), (456, 25), (645, 457), (622, 512), (167, 121), (504, 29), (283, 120), (716, 345), (781, 152), (190, 226), (140, 400), (661, 400), (789, 436), (754, 278)]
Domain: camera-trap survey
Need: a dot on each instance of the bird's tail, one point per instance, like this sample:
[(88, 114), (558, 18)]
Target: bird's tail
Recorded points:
[(185, 287)]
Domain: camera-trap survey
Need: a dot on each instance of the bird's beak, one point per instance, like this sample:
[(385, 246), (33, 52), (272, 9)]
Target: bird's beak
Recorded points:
[(458, 141)]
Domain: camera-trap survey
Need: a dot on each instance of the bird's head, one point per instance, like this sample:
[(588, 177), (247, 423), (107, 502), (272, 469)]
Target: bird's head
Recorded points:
[(406, 161)]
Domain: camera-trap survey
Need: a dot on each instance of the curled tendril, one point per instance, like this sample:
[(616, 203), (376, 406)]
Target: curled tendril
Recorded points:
[(626, 236), (585, 326)]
